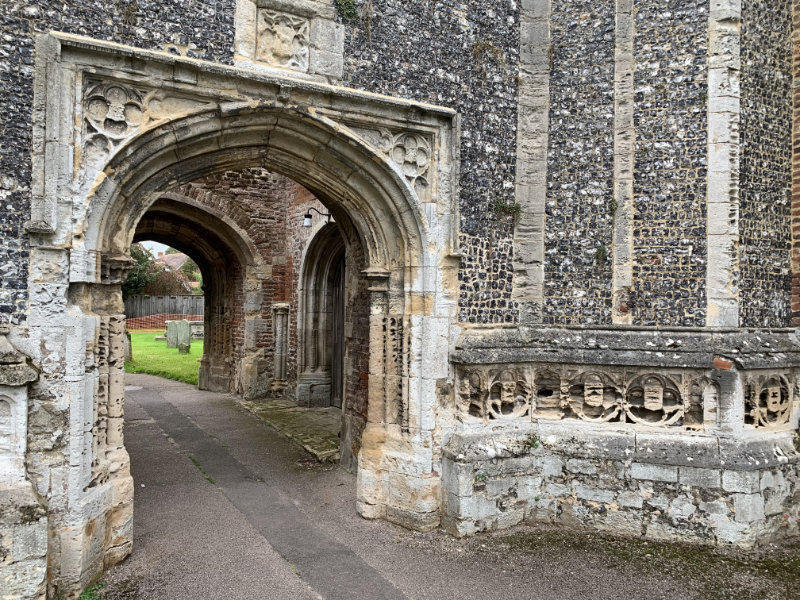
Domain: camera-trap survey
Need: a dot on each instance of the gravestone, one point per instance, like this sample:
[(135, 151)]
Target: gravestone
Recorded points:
[(183, 336), (197, 329), (171, 333)]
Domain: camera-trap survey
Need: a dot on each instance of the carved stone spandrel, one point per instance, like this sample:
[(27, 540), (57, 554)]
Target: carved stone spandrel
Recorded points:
[(115, 111)]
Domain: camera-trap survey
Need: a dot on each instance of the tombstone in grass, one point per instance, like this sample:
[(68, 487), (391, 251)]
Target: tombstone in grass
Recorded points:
[(128, 346), (184, 336), (171, 333), (197, 329)]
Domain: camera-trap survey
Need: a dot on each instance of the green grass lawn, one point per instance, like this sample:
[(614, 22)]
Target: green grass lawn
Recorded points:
[(155, 358)]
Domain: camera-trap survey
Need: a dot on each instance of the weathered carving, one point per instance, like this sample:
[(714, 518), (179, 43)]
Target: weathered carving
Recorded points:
[(595, 397), (549, 401), (653, 400), (114, 112), (701, 409), (673, 399), (472, 394), (495, 395), (396, 360), (412, 153), (282, 40), (768, 401), (509, 397)]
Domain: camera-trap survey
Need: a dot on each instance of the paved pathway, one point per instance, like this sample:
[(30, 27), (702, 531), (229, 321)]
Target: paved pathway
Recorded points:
[(315, 429), (227, 508)]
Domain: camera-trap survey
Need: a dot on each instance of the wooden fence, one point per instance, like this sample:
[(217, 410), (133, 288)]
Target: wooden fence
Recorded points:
[(145, 306)]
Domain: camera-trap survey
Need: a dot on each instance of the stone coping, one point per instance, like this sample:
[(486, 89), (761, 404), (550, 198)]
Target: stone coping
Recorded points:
[(116, 51), (630, 346)]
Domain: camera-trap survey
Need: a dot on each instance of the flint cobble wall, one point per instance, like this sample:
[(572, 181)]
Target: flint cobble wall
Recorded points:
[(580, 165), (765, 171), (670, 108), (463, 55)]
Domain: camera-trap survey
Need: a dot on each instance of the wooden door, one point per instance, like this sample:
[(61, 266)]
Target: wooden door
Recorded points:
[(337, 313)]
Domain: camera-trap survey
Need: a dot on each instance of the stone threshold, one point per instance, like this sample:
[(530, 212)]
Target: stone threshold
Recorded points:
[(316, 430)]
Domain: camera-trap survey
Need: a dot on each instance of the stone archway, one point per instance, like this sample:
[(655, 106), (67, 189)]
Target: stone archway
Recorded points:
[(231, 268), (348, 148)]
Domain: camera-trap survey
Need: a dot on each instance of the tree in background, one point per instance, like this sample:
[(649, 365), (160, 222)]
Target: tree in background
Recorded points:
[(150, 277), (167, 283), (192, 273), (143, 272)]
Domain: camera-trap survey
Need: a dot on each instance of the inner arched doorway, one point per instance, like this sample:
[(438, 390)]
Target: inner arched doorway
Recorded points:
[(227, 259), (322, 320)]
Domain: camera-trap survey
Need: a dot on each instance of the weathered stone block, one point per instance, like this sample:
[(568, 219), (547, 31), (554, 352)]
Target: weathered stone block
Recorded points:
[(551, 466), (748, 507), (593, 494), (746, 482), (585, 467), (654, 472), (630, 500), (698, 477)]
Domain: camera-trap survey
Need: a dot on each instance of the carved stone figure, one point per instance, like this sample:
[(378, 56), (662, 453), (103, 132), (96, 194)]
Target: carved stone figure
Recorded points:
[(595, 397)]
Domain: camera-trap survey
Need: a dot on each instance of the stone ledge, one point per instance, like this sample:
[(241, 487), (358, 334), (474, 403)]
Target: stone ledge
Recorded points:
[(630, 346), (578, 440)]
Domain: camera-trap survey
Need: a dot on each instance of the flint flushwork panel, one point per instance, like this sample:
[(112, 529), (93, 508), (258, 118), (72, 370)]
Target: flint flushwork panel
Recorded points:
[(766, 173), (580, 167), (670, 108)]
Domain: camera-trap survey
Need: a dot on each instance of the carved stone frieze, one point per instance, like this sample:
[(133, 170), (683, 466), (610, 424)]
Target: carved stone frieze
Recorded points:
[(495, 394), (677, 398), (768, 401), (282, 40)]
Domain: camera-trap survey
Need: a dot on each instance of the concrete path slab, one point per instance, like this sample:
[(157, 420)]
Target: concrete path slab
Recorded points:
[(227, 508)]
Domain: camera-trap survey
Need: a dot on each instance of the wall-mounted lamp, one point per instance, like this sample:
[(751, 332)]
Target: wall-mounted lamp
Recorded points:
[(307, 216)]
